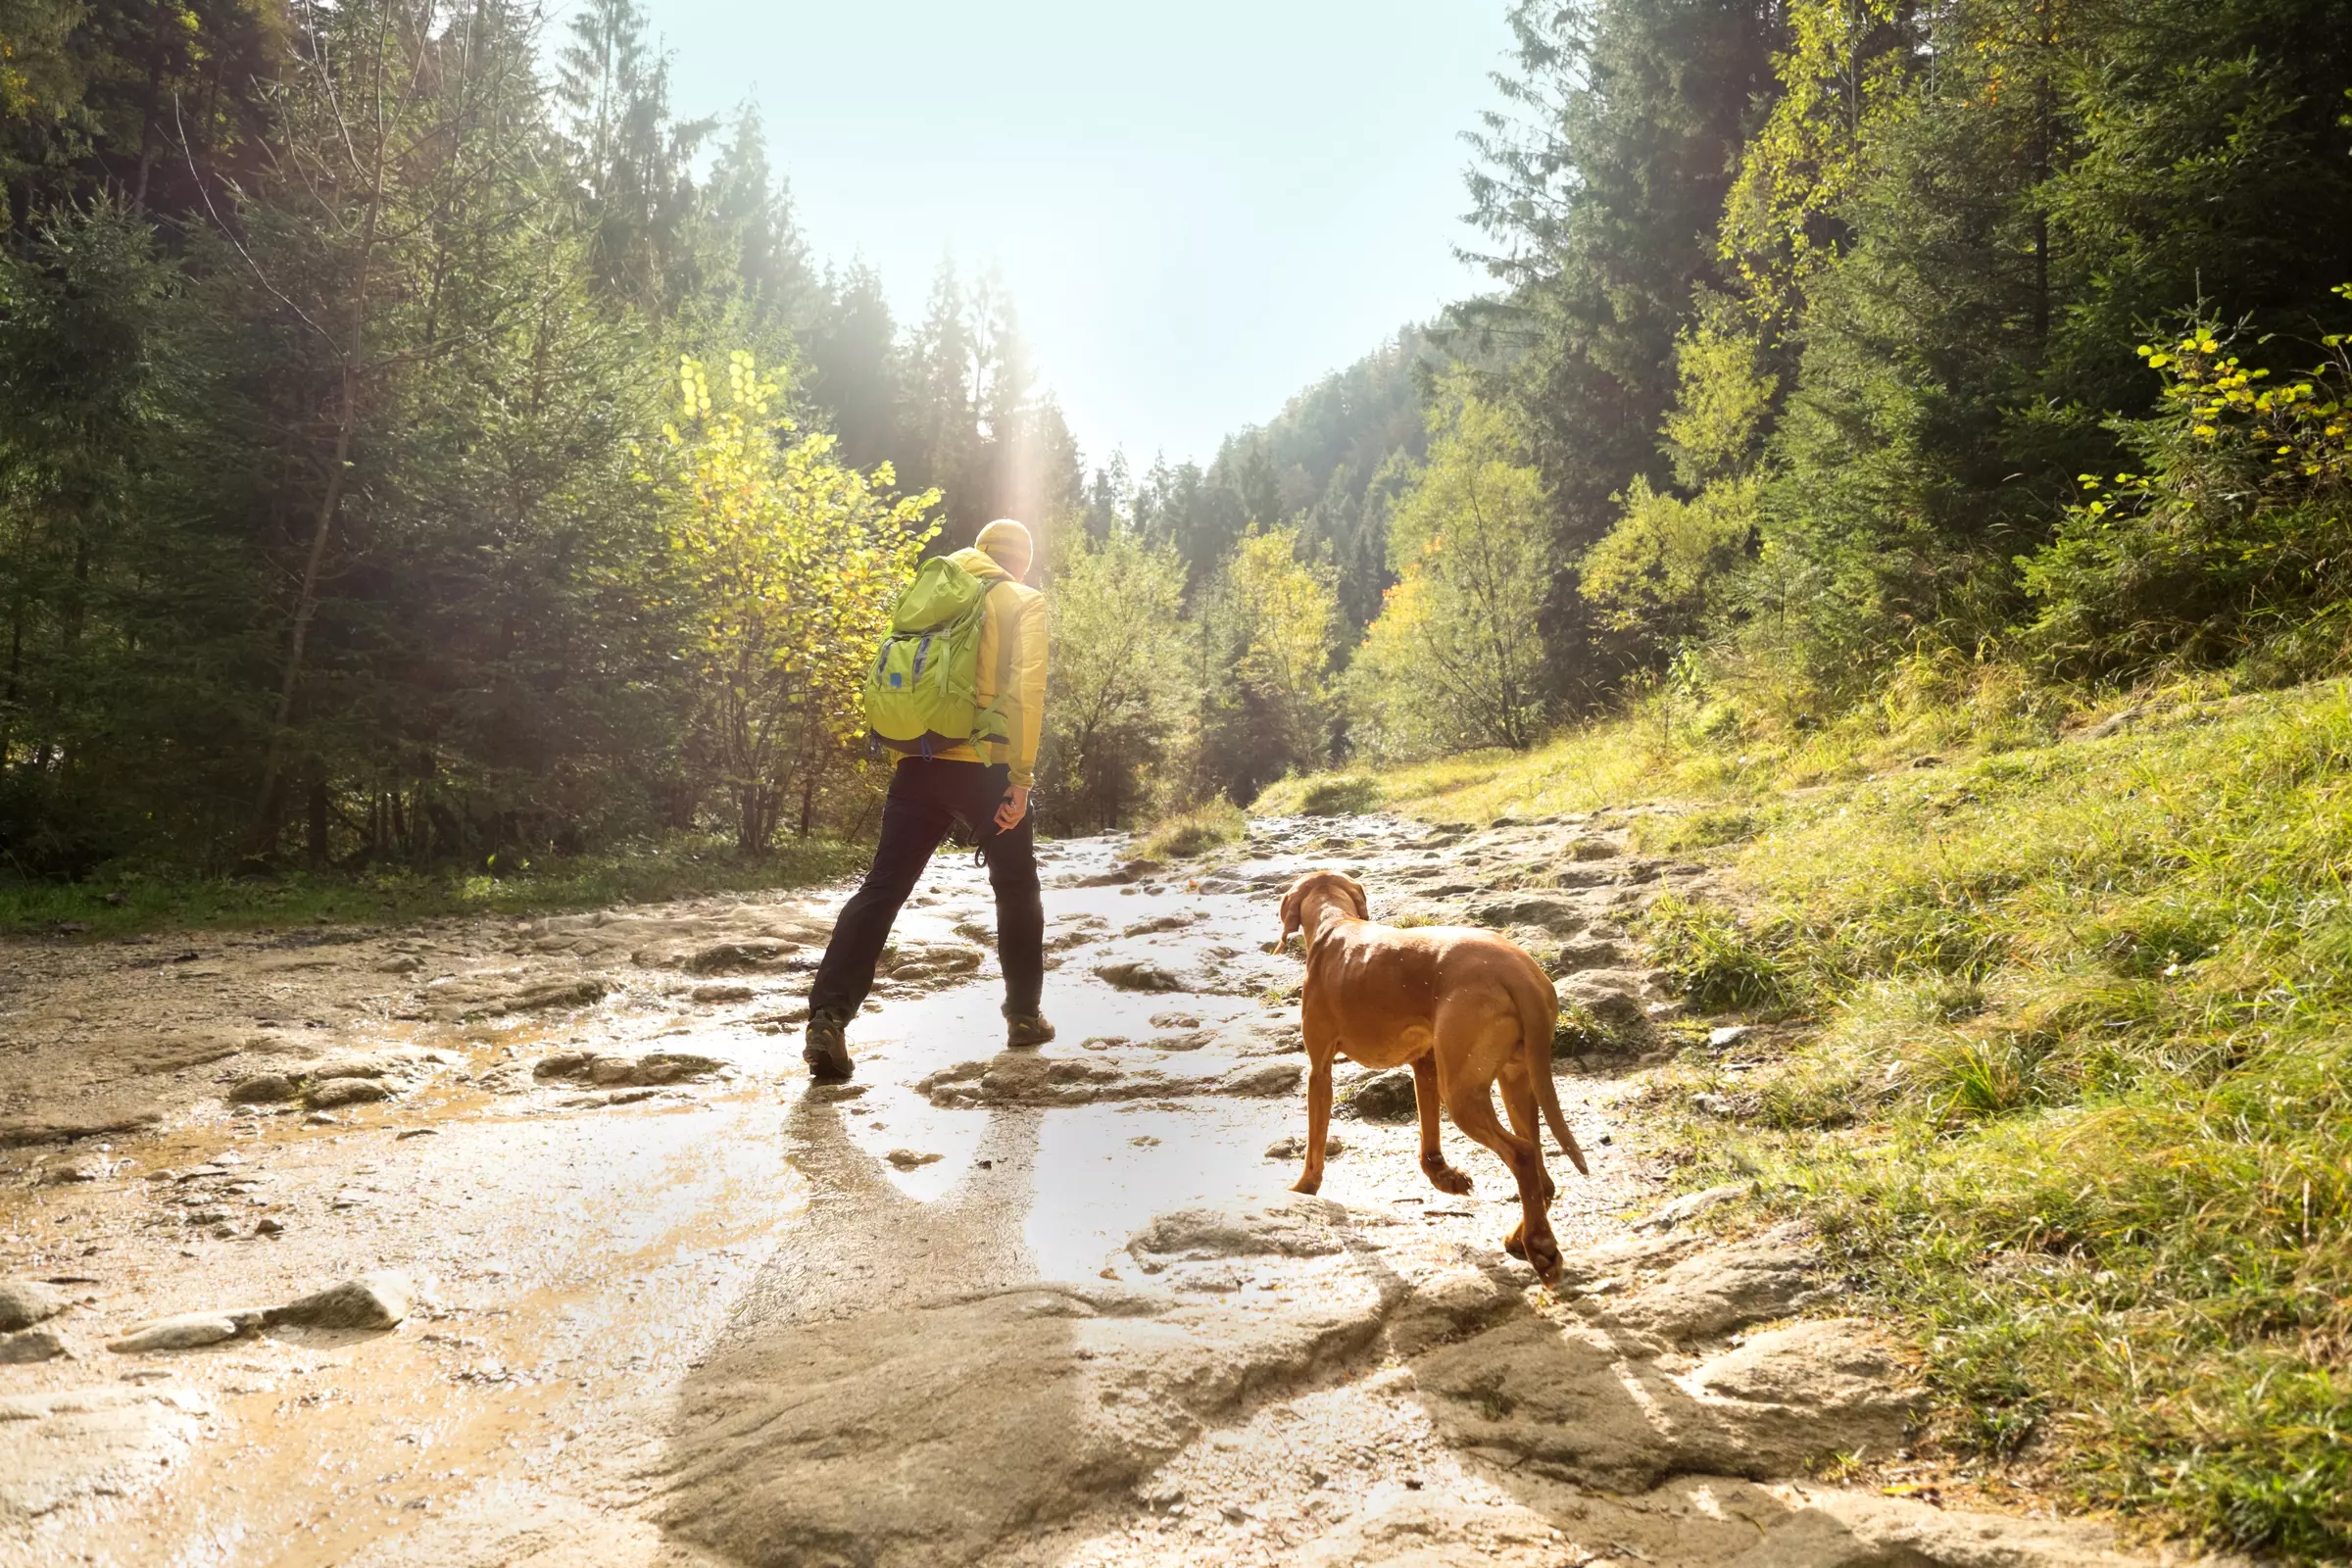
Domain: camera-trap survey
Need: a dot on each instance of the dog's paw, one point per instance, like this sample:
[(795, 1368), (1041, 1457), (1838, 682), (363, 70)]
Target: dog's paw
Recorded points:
[(1444, 1177)]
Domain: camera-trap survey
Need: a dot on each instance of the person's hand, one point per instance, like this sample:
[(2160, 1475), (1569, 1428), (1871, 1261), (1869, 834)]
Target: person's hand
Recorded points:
[(1013, 808)]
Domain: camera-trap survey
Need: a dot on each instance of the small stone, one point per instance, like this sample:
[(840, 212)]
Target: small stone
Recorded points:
[(1728, 1036), (332, 1092), (711, 994), (319, 1118), (77, 1171), (31, 1345), (1138, 976), (1719, 1105), (1666, 1216), (1262, 1082), (1295, 1147), (377, 1301), (263, 1089), (184, 1331), (1384, 1097), (270, 1227), (909, 1159), (24, 1303)]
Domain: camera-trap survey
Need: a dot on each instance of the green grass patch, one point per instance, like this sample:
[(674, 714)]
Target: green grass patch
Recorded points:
[(124, 900), (1194, 832), (2080, 1105), (1320, 795)]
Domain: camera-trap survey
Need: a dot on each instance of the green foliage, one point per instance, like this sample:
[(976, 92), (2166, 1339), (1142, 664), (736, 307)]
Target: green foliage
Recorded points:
[(1454, 660), (2233, 540), (791, 562), (332, 388), (1658, 565), (1120, 698), (129, 899), (1195, 832), (2086, 1004), (1320, 795), (1262, 666)]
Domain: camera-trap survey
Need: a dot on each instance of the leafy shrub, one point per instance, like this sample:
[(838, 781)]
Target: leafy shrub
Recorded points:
[(1194, 832), (1320, 795), (2233, 542)]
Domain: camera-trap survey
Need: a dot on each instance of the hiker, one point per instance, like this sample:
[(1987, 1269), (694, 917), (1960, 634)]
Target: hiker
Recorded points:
[(959, 693)]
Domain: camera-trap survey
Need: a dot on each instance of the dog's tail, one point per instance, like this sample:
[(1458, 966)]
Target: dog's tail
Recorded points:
[(1538, 1013)]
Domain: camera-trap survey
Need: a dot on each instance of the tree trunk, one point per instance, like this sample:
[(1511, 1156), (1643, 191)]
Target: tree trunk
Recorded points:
[(330, 503)]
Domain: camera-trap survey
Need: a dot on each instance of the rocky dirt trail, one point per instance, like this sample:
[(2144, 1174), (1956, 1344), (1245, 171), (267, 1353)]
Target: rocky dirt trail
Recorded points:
[(528, 1243)]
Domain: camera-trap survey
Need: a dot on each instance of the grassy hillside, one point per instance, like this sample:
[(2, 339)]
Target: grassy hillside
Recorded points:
[(2073, 1090)]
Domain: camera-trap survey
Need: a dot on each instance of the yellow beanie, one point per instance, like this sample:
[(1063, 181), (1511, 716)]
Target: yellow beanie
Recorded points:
[(1009, 544)]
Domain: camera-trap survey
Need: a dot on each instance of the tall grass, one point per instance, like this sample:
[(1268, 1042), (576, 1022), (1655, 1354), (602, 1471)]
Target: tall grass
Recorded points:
[(2079, 1104), (2082, 1107)]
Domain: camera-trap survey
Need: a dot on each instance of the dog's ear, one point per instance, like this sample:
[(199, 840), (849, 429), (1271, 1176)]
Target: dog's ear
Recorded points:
[(1290, 916), (1355, 894)]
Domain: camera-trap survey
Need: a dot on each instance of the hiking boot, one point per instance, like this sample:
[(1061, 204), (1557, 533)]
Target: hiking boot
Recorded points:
[(826, 1051), (1026, 1029)]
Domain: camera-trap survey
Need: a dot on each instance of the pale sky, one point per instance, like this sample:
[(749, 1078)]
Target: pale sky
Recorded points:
[(1198, 209)]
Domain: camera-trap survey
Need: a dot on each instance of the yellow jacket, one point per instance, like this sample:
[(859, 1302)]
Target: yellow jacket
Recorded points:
[(1018, 612)]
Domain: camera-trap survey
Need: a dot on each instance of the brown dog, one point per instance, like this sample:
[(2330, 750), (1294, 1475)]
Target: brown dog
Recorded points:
[(1467, 1008)]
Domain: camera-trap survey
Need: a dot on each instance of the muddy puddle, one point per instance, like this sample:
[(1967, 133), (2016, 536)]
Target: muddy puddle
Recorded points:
[(669, 1304)]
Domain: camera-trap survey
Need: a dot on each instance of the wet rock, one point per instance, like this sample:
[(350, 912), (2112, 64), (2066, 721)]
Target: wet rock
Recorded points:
[(721, 992), (1267, 1081), (647, 1068), (1574, 958), (1724, 1288), (22, 1132), (911, 1160), (1855, 1530), (1176, 921), (653, 1067), (378, 1300), (1295, 1147), (929, 1435), (328, 1093), (184, 1331), (1545, 910), (735, 957), (1139, 975), (263, 1089), (1838, 1371), (24, 1303), (1296, 1226), (930, 965), (1025, 1078), (1611, 1000), (74, 1171), (27, 1345), (1382, 1097), (1174, 1020), (111, 1440), (1446, 1304)]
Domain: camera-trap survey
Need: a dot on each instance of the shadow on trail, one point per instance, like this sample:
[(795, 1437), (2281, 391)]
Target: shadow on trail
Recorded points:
[(891, 1384)]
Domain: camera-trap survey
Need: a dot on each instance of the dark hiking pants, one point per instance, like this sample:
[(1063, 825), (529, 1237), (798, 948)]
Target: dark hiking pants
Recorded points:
[(927, 797)]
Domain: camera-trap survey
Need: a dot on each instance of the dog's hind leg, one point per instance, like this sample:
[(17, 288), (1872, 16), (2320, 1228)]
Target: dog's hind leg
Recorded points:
[(1519, 1102), (1426, 1099), (1473, 1108)]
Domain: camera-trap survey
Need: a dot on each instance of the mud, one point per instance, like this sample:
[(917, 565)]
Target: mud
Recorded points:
[(588, 1273)]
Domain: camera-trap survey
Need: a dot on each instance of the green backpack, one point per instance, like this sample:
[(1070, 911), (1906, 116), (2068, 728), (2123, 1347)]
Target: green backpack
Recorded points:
[(922, 692)]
